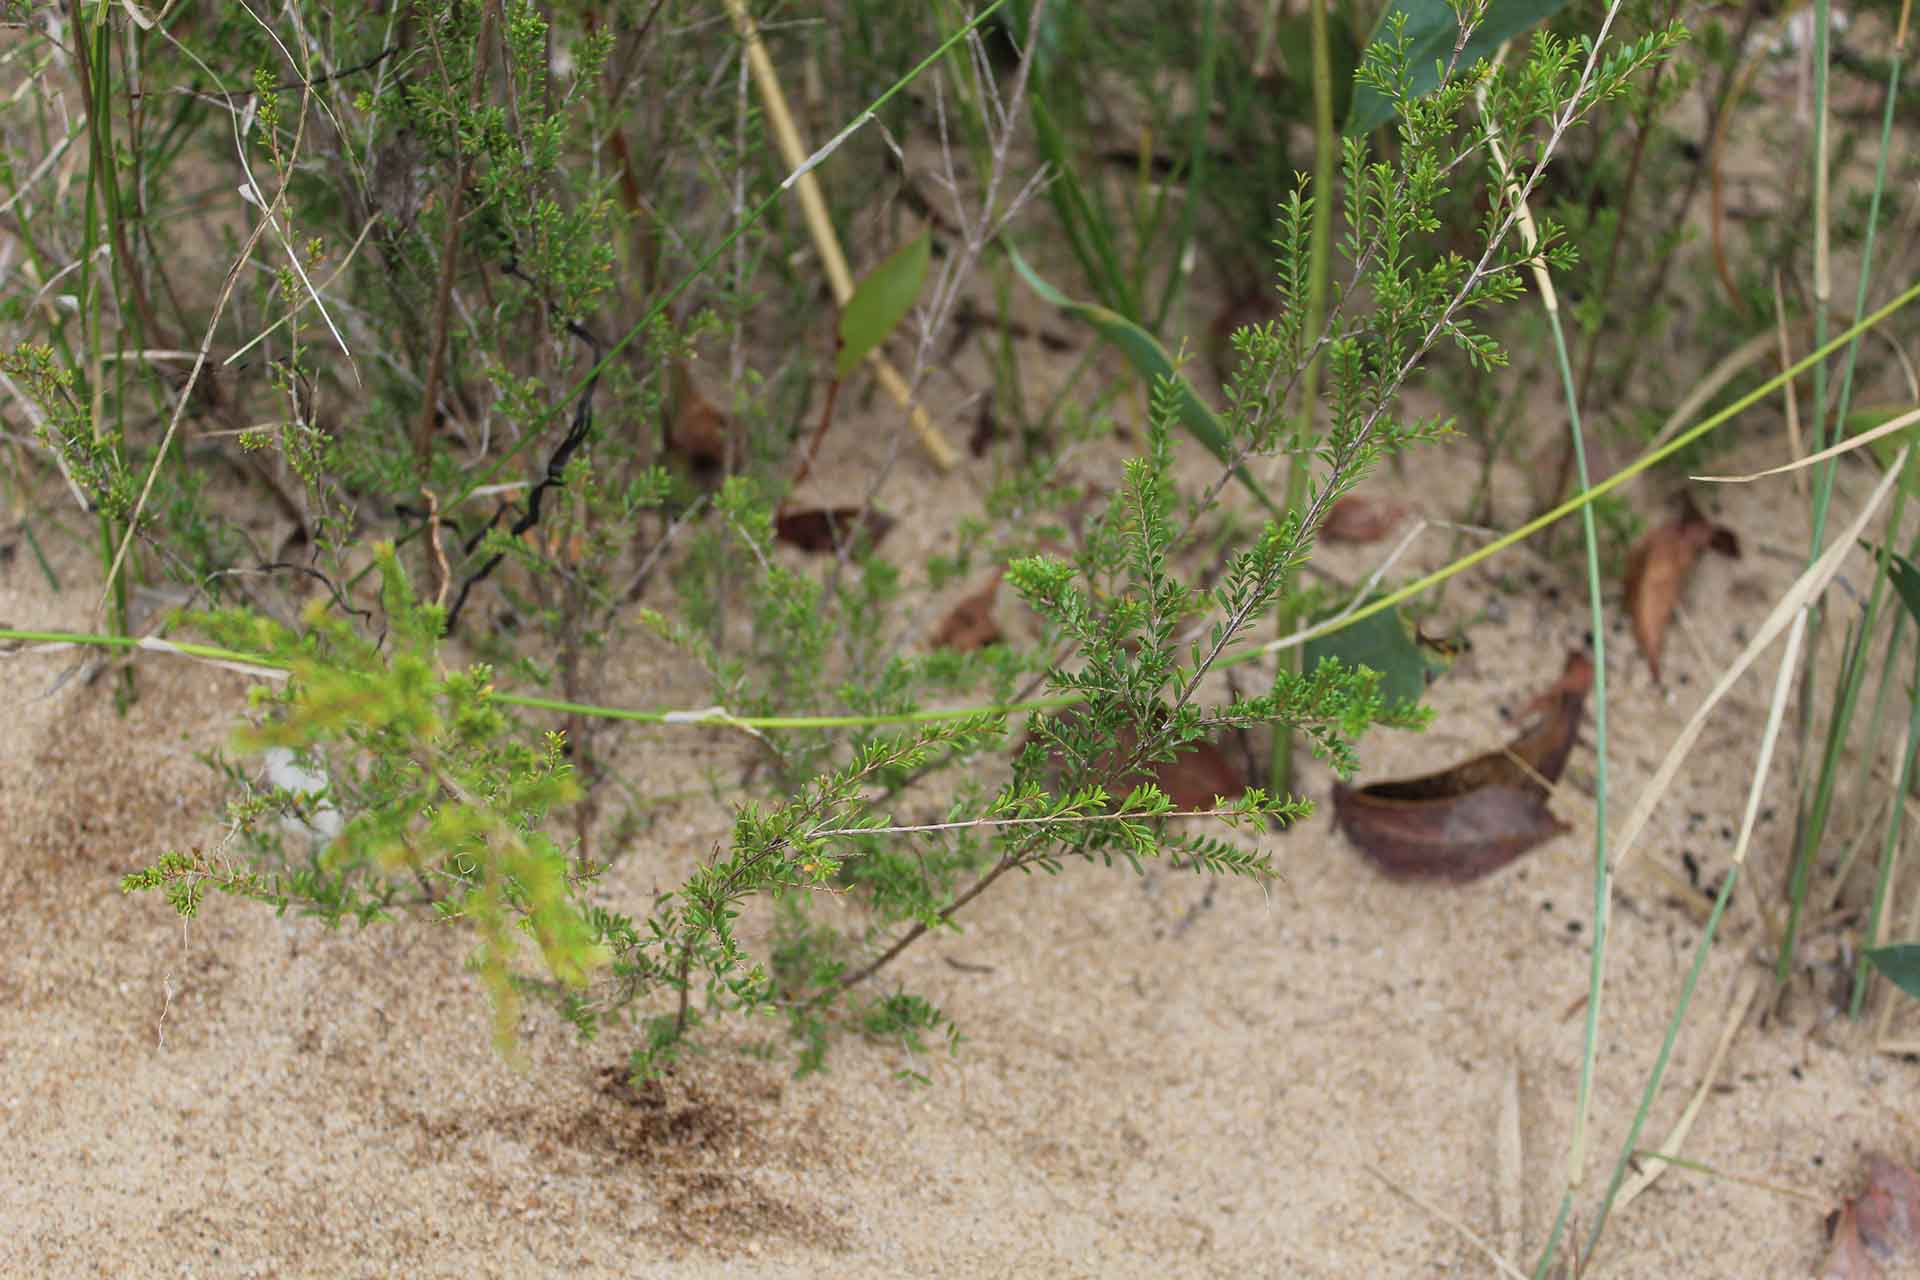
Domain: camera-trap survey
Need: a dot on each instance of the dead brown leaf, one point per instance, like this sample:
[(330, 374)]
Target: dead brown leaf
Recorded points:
[(1478, 816), (1356, 518), (1196, 776), (699, 433), (986, 429), (1238, 313), (970, 624), (1192, 779), (1848, 1259), (812, 528), (1657, 570), (1876, 1233)]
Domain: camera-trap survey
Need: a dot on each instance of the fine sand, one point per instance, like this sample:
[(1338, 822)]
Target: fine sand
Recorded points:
[(1333, 1075)]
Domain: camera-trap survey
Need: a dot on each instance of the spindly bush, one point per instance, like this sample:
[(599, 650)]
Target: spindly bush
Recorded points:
[(446, 216)]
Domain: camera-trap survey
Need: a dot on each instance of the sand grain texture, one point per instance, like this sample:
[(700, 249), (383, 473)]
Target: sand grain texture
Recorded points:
[(1159, 1079)]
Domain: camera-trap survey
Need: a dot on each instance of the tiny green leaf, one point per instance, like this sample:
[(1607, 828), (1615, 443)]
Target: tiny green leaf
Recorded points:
[(880, 302), (1151, 361), (1901, 964)]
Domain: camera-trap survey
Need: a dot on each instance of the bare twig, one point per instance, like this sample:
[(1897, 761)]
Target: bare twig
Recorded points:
[(813, 208), (441, 575), (449, 255)]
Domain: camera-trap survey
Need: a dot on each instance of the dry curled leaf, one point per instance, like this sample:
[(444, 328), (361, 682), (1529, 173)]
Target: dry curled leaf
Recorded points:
[(1356, 518), (813, 528), (970, 624), (1877, 1233), (1478, 816), (986, 429), (1238, 313), (1657, 570), (699, 433), (1192, 780)]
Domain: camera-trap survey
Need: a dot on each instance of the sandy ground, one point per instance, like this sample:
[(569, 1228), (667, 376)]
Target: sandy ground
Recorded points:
[(1161, 1077)]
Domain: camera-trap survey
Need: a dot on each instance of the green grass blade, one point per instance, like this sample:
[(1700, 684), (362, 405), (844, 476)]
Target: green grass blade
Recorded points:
[(46, 568), (1196, 167), (1088, 229), (1151, 361)]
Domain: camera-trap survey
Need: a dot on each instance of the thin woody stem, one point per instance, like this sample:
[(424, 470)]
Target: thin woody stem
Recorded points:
[(919, 930), (972, 823), (449, 256)]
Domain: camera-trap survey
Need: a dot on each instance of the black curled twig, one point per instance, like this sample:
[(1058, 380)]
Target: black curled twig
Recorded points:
[(290, 86), (556, 470), (287, 566)]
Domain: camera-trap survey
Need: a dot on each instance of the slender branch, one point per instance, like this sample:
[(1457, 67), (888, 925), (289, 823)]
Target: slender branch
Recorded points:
[(972, 823), (449, 256), (1007, 863), (1642, 132)]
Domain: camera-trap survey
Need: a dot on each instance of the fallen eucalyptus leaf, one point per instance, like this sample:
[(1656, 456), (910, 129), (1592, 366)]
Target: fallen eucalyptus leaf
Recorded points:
[(1876, 1233), (1356, 518), (1657, 570), (1476, 817), (970, 625), (812, 528), (699, 433), (986, 429), (1193, 779)]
